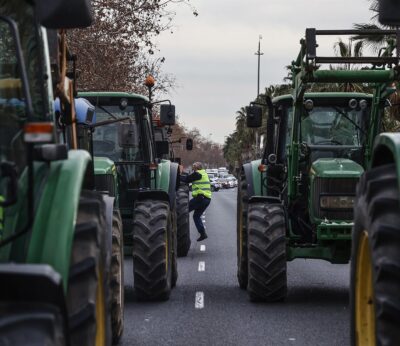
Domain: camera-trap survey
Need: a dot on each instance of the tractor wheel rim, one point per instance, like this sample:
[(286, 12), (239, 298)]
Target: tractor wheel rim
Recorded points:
[(364, 295), (100, 312)]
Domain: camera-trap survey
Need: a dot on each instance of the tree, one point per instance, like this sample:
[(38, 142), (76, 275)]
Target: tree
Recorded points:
[(115, 53)]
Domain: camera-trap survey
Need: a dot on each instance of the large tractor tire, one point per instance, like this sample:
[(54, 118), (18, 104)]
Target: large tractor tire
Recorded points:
[(174, 274), (266, 252), (88, 286), (32, 325), (183, 224), (152, 250), (241, 232), (375, 265), (117, 278)]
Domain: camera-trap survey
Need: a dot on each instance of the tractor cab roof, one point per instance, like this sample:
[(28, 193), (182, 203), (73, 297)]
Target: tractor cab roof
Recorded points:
[(322, 95), (109, 97)]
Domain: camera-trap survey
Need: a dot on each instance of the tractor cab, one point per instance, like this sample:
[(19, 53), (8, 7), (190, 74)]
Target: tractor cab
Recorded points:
[(300, 195), (126, 143), (334, 127)]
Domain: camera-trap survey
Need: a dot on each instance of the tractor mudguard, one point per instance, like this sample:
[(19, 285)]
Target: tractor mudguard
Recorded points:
[(267, 199), (53, 229), (167, 174), (253, 178), (32, 283), (154, 195), (387, 150)]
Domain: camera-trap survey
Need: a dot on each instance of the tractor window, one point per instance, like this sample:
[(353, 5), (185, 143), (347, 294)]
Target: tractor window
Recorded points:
[(12, 103), (332, 126), (118, 141), (289, 114)]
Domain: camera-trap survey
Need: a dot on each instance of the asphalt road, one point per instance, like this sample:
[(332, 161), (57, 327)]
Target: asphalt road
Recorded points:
[(315, 312)]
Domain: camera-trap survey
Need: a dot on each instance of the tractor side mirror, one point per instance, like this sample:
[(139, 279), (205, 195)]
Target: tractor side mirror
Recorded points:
[(189, 144), (167, 114), (254, 116), (162, 148), (128, 135), (66, 14), (389, 12)]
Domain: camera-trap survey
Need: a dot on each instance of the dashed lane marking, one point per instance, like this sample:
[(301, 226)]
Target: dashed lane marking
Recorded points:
[(202, 248), (202, 266), (199, 300)]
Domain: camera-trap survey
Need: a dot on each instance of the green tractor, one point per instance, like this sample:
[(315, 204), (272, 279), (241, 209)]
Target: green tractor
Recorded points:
[(164, 147), (146, 186), (297, 201), (55, 247), (85, 124), (375, 261)]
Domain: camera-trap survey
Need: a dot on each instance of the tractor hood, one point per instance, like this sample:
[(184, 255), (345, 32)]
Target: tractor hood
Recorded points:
[(336, 168), (103, 165)]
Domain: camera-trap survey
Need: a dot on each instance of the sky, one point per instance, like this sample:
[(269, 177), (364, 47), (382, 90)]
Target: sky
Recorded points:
[(212, 55)]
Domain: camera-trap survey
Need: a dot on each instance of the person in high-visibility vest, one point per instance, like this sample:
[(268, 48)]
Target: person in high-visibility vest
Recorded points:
[(201, 193)]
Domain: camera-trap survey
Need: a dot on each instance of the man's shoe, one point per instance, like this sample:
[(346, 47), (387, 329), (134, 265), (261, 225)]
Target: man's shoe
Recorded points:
[(203, 235)]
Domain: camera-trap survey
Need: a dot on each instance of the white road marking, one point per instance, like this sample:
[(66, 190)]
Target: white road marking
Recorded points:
[(202, 266), (202, 248), (199, 301), (292, 339)]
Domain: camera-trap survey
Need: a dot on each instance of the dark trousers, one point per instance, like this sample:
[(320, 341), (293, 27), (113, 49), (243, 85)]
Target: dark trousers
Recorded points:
[(199, 204)]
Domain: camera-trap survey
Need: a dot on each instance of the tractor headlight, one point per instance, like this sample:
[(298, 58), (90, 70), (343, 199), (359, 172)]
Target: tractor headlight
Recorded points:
[(336, 202)]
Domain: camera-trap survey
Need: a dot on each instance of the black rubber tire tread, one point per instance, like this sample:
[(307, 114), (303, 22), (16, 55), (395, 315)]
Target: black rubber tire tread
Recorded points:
[(87, 257), (174, 268), (377, 211), (152, 224), (26, 324), (266, 252), (182, 217), (117, 278), (242, 206)]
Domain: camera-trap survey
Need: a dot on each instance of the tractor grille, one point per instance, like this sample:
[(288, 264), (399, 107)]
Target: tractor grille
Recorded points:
[(334, 186), (105, 182)]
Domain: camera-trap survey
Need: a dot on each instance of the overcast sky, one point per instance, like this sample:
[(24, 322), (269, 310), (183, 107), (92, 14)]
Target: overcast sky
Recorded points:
[(212, 55)]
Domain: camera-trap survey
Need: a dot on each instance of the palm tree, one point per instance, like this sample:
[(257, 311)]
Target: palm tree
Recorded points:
[(375, 42), (343, 49)]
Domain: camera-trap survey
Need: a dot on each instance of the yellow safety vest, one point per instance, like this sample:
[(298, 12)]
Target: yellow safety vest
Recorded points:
[(202, 186)]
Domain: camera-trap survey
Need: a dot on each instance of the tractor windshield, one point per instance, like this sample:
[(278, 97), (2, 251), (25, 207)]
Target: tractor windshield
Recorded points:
[(332, 126), (332, 132), (12, 103), (118, 141)]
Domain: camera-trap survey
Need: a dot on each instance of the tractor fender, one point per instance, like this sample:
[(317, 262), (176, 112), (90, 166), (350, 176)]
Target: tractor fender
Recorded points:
[(57, 209), (159, 195), (387, 150), (253, 178), (32, 283), (167, 175)]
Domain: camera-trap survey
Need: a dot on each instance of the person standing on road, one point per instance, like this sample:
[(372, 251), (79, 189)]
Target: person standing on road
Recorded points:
[(201, 193)]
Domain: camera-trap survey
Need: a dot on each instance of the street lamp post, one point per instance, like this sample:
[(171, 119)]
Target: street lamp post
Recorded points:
[(259, 53)]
